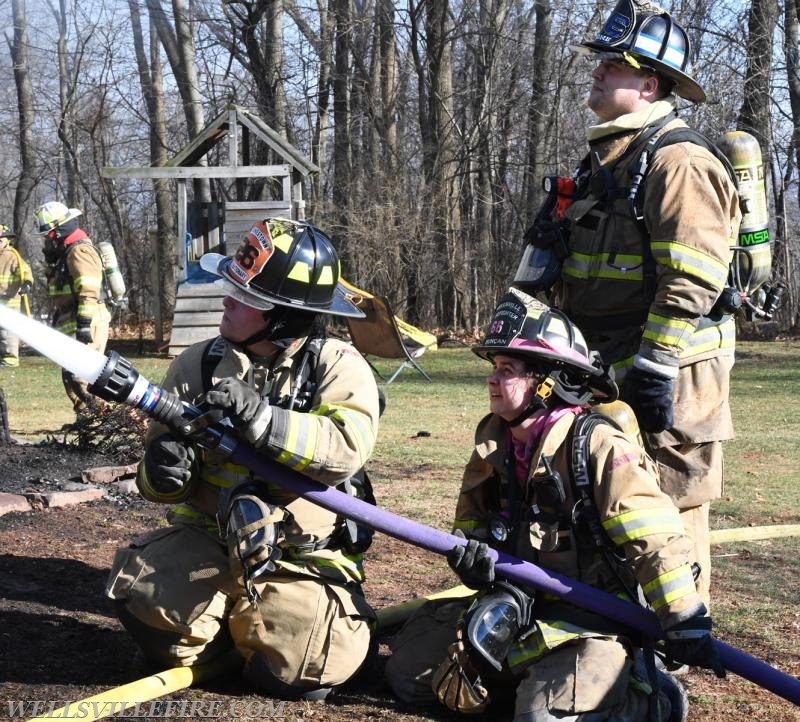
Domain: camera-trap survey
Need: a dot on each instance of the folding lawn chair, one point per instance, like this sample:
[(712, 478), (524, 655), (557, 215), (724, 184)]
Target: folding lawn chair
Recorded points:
[(380, 333)]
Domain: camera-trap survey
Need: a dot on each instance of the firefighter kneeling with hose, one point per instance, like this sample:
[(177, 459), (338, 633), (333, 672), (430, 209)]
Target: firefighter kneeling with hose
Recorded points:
[(244, 563), (554, 483)]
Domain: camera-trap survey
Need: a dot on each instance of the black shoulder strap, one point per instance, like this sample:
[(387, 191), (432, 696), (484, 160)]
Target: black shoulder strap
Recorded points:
[(580, 473), (212, 355), (659, 140), (304, 384)]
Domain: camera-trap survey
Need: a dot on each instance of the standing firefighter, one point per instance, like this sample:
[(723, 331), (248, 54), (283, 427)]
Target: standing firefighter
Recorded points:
[(75, 285), (244, 563), (567, 490), (16, 281), (646, 247)]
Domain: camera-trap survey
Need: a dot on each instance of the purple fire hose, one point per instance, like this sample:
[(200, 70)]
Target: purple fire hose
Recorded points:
[(507, 566), (113, 378)]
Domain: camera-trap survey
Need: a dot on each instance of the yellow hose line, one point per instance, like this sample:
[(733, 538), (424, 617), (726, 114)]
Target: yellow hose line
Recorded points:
[(116, 700), (754, 533), (171, 680), (398, 613)]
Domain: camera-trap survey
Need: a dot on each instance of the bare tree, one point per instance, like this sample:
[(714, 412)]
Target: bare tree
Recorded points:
[(178, 43), (26, 179), (151, 80)]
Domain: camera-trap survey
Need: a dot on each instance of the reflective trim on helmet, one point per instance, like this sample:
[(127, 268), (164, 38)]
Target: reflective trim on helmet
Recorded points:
[(651, 46)]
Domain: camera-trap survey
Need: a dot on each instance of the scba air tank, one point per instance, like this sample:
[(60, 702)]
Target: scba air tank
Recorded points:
[(116, 282), (753, 260)]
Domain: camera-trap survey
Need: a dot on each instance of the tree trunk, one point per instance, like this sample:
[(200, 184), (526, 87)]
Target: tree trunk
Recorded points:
[(754, 116), (151, 81), (539, 110), (179, 47), (342, 163), (67, 124), (784, 253), (26, 180)]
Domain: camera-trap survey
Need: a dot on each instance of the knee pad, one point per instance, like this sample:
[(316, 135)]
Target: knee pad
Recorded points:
[(170, 649), (258, 673)]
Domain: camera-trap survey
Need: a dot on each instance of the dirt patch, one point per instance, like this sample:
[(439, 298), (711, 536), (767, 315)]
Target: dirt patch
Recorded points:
[(60, 640)]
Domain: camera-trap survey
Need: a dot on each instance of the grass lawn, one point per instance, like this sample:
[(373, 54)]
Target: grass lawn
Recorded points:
[(426, 438)]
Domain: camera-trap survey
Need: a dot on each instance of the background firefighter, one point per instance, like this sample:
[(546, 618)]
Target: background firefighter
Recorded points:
[(643, 281), (16, 281), (244, 563), (75, 287), (519, 494)]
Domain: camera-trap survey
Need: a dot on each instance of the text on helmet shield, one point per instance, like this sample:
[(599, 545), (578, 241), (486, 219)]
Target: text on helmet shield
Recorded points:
[(615, 29), (251, 257)]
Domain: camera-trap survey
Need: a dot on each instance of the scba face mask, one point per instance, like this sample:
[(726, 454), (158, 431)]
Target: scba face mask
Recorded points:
[(495, 621), (253, 530)]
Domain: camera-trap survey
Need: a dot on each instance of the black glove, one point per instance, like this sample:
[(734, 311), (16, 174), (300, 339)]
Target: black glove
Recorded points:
[(168, 463), (84, 332), (650, 396), (25, 287), (472, 563), (692, 643), (249, 413)]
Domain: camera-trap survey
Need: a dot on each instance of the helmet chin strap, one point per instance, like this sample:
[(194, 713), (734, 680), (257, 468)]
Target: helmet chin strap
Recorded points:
[(539, 401), (555, 384), (284, 326)]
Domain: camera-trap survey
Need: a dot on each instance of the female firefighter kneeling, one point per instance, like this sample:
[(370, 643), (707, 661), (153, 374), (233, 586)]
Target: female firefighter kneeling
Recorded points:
[(244, 563), (604, 522)]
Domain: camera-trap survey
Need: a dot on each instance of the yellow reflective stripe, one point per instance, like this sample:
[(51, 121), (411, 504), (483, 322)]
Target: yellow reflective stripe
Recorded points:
[(300, 272), (343, 567), (640, 523), (627, 267), (548, 635), (57, 292), (283, 241), (88, 283), (327, 277), (68, 327), (190, 513), (302, 431), (351, 566), (668, 587), (468, 525), (87, 309), (666, 330), (358, 424), (719, 336), (224, 476), (690, 261)]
